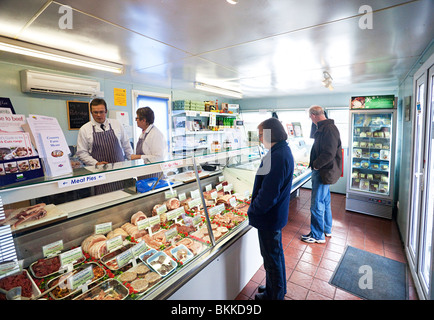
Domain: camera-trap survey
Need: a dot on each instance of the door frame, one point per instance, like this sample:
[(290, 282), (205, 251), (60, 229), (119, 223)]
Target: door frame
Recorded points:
[(414, 260)]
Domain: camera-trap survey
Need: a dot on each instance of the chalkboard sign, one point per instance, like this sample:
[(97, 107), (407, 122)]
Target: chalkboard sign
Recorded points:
[(78, 114)]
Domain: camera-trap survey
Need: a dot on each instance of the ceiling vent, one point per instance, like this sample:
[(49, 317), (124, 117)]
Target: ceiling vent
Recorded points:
[(40, 82)]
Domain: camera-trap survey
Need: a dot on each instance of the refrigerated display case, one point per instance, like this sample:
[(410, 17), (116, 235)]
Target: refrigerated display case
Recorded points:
[(370, 186), (211, 217)]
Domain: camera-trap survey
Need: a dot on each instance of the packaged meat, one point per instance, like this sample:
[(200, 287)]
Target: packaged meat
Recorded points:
[(109, 259), (161, 263), (90, 241), (139, 215), (62, 291), (110, 289), (117, 232), (47, 267), (181, 253), (172, 204)]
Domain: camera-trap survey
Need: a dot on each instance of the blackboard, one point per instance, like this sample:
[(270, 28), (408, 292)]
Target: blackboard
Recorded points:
[(78, 114)]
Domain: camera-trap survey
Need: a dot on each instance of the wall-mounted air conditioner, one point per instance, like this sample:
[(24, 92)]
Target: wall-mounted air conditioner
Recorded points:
[(48, 83)]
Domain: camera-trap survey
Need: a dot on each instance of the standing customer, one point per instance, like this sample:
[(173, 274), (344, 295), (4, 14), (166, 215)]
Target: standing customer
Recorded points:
[(326, 164), (269, 207)]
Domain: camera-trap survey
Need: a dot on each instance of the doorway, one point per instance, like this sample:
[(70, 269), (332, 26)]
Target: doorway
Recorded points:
[(420, 236), (159, 103)]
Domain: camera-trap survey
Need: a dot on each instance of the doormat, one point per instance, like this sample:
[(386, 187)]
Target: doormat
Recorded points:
[(370, 276)]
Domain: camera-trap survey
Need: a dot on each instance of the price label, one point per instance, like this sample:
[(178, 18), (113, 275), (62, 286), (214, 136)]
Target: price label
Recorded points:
[(194, 203), (170, 194), (161, 209), (228, 188), (208, 187), (125, 257), (196, 220), (139, 248), (70, 256), (182, 196), (52, 248), (221, 178), (216, 210), (103, 228), (80, 278), (171, 234), (214, 195), (114, 243), (154, 220), (171, 164), (219, 187), (171, 215), (233, 202), (143, 224), (195, 194)]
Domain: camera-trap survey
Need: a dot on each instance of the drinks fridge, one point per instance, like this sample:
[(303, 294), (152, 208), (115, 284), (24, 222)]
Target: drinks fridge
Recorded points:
[(372, 155)]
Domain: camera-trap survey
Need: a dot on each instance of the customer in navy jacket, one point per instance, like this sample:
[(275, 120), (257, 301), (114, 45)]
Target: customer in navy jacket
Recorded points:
[(269, 207)]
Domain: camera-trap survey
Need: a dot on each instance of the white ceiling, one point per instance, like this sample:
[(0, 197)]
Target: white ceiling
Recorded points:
[(261, 47)]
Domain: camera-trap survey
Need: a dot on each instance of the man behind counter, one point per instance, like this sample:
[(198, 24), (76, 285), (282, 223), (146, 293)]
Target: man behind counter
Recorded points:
[(102, 140)]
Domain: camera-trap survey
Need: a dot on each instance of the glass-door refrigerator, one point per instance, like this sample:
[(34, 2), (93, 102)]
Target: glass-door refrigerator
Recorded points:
[(370, 186)]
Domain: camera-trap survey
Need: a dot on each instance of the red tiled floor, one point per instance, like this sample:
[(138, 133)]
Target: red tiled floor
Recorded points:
[(309, 267)]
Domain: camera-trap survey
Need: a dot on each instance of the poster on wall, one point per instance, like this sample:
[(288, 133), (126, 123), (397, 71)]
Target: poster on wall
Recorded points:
[(78, 114), (19, 161)]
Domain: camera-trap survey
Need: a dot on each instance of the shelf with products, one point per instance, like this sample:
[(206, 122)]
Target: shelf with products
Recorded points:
[(371, 153), (193, 220)]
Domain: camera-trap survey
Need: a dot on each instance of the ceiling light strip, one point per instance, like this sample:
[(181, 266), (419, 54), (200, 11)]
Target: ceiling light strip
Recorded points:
[(210, 88), (10, 46)]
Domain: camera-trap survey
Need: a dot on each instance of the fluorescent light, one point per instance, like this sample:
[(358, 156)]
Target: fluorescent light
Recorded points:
[(232, 1), (53, 55), (210, 88)]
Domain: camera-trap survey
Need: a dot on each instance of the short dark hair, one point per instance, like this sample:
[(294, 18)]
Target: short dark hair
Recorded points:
[(278, 132), (97, 102), (146, 113)]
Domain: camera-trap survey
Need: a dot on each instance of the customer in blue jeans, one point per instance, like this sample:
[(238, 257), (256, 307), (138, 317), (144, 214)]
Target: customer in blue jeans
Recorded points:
[(269, 207), (326, 164)]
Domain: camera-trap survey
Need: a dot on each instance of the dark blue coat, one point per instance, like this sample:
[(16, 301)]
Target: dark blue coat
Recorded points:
[(270, 197)]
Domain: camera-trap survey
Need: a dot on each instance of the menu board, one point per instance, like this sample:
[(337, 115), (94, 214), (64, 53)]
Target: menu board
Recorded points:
[(373, 102), (78, 114)]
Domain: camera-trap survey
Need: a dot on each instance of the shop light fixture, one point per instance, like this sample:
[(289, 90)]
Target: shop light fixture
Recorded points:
[(232, 1), (31, 50), (210, 88), (327, 82)]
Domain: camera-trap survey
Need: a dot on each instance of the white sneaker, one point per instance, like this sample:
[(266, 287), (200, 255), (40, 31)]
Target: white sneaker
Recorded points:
[(312, 240), (328, 235)]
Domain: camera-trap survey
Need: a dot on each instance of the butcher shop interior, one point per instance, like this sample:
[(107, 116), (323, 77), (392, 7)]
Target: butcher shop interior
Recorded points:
[(129, 147)]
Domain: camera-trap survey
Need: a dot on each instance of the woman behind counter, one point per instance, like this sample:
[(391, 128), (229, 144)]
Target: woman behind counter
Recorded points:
[(269, 208), (151, 146)]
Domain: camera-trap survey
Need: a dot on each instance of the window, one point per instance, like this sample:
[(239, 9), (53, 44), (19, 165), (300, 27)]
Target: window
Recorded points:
[(341, 118)]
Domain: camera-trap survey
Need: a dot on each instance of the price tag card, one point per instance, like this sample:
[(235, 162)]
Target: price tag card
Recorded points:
[(214, 195), (114, 243), (161, 209), (125, 257), (52, 248), (233, 202), (171, 164), (143, 224), (182, 196), (171, 215), (153, 220), (194, 203), (208, 187), (216, 210), (139, 248), (8, 268), (219, 187), (70, 256), (196, 220), (103, 228), (228, 188), (172, 233), (80, 278), (247, 194), (195, 194), (170, 194), (221, 178)]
